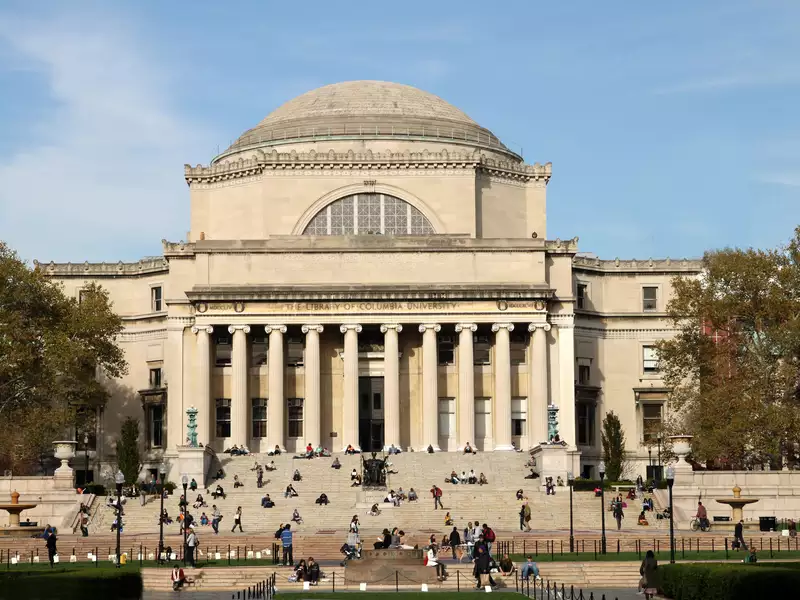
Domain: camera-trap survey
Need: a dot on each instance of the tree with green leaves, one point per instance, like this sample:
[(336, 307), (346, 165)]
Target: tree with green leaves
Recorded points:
[(54, 351), (613, 439), (734, 365), (129, 455)]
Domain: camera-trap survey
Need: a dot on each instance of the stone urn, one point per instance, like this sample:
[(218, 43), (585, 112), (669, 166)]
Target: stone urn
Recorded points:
[(681, 447), (64, 450)]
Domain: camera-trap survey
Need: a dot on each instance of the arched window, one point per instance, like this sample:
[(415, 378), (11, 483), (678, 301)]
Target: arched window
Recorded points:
[(369, 214)]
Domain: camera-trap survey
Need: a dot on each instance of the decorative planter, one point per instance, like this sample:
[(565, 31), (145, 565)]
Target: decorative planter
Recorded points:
[(681, 447), (64, 450)]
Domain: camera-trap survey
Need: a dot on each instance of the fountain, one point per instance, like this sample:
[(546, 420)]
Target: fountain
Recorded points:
[(737, 503), (14, 509)]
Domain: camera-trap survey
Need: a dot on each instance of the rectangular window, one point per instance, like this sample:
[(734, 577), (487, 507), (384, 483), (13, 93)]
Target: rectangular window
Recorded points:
[(519, 416), (481, 350), (223, 417), (155, 378), (518, 347), (447, 354), (295, 413), (483, 418), (258, 351), (155, 299), (82, 295), (259, 417), (447, 418), (222, 351), (585, 423), (584, 374), (294, 351), (156, 426), (649, 359), (651, 421), (649, 298), (581, 295)]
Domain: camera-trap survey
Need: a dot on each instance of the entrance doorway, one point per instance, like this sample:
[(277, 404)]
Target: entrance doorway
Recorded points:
[(370, 413)]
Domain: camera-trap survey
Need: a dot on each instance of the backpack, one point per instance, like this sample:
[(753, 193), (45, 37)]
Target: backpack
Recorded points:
[(490, 537)]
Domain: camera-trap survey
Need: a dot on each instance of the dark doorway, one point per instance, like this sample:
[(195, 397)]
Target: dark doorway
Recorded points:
[(370, 413)]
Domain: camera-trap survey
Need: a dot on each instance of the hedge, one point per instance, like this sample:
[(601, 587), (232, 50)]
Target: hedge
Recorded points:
[(720, 581), (60, 584)]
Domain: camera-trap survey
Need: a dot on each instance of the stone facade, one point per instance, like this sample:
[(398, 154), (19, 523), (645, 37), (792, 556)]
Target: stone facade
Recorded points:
[(374, 269)]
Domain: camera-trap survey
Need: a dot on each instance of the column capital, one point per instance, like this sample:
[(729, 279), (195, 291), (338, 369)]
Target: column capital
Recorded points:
[(498, 326), (387, 326), (350, 326), (270, 328), (534, 326), (306, 328), (470, 326), (206, 328), (425, 326), (245, 328)]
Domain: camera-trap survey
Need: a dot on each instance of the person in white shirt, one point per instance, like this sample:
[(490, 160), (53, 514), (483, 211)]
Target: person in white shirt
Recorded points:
[(433, 561), (472, 477)]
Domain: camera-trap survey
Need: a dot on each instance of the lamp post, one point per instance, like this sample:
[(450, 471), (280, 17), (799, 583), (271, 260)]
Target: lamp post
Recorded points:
[(602, 468), (162, 472), (185, 482), (670, 481), (119, 478), (86, 459), (571, 481)]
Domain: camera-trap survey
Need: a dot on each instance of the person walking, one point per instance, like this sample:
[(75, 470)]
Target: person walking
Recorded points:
[(50, 542), (738, 536), (455, 541), (648, 584), (286, 540), (191, 546), (482, 572), (618, 514), (436, 492), (216, 517), (237, 520), (526, 515)]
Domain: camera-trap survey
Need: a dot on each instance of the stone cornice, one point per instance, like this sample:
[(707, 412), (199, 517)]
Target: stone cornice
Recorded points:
[(325, 293), (666, 265), (145, 266), (261, 162)]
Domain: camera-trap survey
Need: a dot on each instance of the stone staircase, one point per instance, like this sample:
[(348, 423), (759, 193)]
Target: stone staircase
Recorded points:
[(495, 503)]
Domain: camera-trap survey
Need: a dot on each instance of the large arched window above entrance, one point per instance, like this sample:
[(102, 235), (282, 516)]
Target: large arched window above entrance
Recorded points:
[(369, 214)]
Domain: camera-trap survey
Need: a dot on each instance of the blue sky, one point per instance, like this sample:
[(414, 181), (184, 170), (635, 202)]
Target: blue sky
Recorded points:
[(672, 127)]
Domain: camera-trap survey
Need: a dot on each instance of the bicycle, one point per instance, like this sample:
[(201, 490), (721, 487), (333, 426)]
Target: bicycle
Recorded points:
[(695, 524)]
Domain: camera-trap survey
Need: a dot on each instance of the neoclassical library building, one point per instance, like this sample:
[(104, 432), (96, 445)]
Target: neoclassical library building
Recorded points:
[(369, 266)]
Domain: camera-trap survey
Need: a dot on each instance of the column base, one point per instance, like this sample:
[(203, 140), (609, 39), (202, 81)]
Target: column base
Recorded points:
[(504, 448)]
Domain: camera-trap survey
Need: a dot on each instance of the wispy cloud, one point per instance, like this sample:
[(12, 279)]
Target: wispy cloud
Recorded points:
[(786, 178), (734, 81), (103, 170)]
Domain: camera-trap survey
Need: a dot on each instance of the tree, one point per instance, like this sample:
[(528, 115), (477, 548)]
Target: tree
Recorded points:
[(53, 352), (129, 457), (734, 365), (613, 439)]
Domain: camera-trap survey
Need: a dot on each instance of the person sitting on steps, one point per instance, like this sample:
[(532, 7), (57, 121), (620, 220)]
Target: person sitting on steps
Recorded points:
[(236, 482), (296, 518), (412, 495), (290, 492), (266, 502), (336, 464), (296, 476), (482, 479), (271, 466), (468, 449), (323, 499), (218, 492)]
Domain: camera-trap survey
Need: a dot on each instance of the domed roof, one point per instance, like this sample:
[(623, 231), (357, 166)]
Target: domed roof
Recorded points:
[(367, 109)]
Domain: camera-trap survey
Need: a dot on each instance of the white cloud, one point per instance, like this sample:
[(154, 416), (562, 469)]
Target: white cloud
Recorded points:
[(101, 176), (745, 79), (786, 178)]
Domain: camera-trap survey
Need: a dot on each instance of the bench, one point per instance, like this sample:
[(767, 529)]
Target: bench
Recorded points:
[(721, 519), (624, 488)]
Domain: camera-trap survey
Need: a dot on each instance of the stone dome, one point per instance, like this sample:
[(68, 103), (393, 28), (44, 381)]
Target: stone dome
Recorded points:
[(367, 110)]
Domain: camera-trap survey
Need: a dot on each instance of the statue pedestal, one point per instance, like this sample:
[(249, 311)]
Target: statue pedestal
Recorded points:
[(195, 463), (555, 460)]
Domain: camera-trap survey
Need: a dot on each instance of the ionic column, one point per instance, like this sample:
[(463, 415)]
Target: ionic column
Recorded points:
[(205, 429), (430, 386), (312, 402), (239, 385), (391, 385), (350, 399), (466, 385), (276, 402), (566, 366), (537, 384), (502, 386)]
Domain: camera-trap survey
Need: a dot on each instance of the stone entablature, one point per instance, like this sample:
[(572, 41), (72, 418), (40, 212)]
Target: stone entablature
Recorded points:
[(665, 265), (145, 266), (376, 161), (240, 298)]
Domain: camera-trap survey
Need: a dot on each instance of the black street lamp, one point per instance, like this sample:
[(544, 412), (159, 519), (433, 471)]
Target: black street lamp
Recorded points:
[(602, 468), (185, 482), (119, 478), (86, 459), (162, 471), (670, 481), (571, 481)]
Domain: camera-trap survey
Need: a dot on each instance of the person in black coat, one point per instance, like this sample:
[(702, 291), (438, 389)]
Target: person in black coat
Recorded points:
[(738, 536), (455, 541), (50, 542), (483, 564)]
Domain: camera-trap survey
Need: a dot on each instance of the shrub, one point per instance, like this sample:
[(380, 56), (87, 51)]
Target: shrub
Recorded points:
[(589, 485), (60, 584), (98, 489), (728, 581)]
